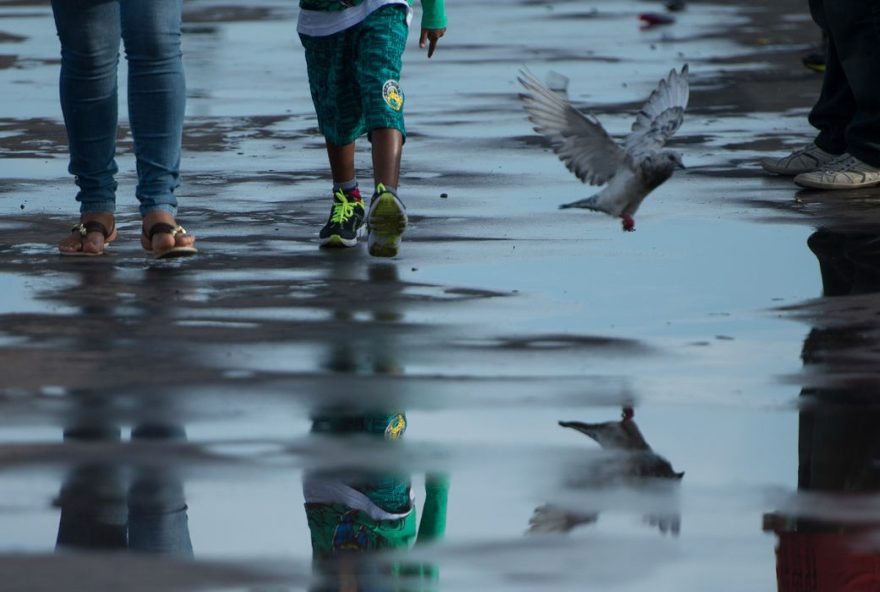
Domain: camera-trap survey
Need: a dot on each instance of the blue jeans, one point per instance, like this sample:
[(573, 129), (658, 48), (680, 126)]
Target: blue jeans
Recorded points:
[(90, 33)]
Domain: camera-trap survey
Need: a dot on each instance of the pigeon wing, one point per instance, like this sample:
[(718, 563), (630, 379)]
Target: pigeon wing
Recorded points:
[(579, 140), (660, 117)]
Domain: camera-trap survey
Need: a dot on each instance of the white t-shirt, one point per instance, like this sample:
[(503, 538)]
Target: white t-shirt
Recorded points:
[(320, 23)]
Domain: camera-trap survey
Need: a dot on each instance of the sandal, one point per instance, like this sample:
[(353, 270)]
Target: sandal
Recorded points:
[(83, 229), (174, 231)]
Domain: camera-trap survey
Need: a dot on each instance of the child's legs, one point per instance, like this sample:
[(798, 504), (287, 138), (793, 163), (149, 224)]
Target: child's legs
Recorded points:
[(341, 161), (333, 86), (89, 31), (156, 98), (387, 146), (381, 41)]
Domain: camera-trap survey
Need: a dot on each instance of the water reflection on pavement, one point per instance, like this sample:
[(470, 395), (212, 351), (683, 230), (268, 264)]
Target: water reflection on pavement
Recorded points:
[(828, 533), (236, 421)]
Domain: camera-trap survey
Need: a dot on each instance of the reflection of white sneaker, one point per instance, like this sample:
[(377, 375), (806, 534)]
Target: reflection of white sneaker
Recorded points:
[(807, 159), (847, 172)]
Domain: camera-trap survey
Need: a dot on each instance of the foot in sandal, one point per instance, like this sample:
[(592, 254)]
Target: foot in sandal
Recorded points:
[(90, 237), (163, 238)]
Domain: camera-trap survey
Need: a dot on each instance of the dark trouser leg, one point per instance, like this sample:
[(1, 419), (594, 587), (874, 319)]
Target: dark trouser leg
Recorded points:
[(848, 111)]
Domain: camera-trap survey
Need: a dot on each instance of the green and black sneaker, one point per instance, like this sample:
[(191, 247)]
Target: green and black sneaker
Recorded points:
[(386, 221), (346, 222)]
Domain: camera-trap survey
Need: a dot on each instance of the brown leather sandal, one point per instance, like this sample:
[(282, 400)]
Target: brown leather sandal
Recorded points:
[(83, 229), (174, 231)]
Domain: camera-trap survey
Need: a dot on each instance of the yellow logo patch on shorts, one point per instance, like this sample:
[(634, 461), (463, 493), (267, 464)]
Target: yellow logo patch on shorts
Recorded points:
[(396, 427), (393, 95)]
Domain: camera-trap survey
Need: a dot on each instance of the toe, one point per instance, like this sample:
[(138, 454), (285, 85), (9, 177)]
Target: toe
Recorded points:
[(69, 245), (93, 243), (163, 241)]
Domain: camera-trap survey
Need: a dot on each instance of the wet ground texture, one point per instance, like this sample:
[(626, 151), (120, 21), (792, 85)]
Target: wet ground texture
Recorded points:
[(714, 372)]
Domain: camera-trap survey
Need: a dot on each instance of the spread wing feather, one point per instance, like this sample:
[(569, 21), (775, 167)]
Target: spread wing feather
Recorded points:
[(660, 117), (579, 140)]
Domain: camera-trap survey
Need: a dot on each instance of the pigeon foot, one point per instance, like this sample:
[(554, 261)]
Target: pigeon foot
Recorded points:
[(629, 225)]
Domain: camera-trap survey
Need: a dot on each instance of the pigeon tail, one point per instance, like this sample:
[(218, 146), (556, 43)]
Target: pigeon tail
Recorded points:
[(590, 203)]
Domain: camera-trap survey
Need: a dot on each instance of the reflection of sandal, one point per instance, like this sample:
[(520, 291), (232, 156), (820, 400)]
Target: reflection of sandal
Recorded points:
[(174, 231), (83, 229)]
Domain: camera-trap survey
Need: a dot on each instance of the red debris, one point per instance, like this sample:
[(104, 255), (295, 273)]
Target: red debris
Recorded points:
[(655, 19)]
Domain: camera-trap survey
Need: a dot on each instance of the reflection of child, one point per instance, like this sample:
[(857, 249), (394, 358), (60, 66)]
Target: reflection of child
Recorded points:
[(361, 511), (353, 54)]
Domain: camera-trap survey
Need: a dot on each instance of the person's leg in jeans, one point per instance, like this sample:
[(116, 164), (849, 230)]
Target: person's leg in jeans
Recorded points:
[(89, 31), (156, 100)]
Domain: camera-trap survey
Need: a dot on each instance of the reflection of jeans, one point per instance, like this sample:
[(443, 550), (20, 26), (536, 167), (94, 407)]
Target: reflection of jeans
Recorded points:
[(97, 514), (90, 32), (100, 511)]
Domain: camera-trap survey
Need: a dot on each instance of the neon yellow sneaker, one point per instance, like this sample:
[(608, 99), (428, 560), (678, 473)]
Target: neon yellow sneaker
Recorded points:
[(346, 222), (386, 222)]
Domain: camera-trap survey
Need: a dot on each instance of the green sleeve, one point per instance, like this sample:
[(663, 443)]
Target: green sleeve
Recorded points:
[(433, 14), (433, 523)]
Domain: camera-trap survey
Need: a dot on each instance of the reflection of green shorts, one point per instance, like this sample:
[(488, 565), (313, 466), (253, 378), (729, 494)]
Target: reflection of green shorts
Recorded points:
[(354, 75), (337, 529)]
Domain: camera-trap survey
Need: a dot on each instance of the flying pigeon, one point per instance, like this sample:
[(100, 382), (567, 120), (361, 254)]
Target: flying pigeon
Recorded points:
[(632, 170)]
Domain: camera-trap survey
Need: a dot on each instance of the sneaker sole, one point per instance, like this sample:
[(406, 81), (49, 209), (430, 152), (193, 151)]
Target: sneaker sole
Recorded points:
[(387, 221), (810, 184), (334, 241), (337, 242)]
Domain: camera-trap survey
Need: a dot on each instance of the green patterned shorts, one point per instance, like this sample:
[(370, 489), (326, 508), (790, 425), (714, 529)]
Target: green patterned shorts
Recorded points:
[(354, 76)]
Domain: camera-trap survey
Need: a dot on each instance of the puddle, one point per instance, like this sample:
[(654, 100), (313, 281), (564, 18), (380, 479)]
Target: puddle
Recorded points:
[(231, 417)]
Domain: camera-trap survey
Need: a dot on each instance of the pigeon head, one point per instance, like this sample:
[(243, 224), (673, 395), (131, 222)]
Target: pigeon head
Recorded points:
[(673, 157), (658, 167), (666, 160)]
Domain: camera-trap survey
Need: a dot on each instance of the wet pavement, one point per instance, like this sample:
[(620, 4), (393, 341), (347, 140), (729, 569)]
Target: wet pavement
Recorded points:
[(182, 408)]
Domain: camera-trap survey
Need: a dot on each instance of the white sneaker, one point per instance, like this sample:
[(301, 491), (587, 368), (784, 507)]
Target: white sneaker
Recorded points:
[(805, 160), (846, 172)]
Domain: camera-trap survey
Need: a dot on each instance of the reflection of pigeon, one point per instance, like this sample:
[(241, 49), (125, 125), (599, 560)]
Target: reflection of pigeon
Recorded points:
[(636, 463), (625, 435), (633, 170)]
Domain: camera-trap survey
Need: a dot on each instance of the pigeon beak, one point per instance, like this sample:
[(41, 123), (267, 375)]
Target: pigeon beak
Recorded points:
[(681, 166)]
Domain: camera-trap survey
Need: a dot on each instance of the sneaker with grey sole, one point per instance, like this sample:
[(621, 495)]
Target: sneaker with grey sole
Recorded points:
[(804, 160), (386, 221), (847, 172)]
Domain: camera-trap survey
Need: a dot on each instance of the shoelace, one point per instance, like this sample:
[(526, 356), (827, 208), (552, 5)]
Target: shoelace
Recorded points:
[(343, 209), (841, 164), (850, 163)]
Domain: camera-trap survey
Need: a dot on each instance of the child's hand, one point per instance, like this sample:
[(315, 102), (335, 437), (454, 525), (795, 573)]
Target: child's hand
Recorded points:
[(431, 36)]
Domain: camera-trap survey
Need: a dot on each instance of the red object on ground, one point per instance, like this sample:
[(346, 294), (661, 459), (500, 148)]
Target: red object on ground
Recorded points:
[(653, 19)]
